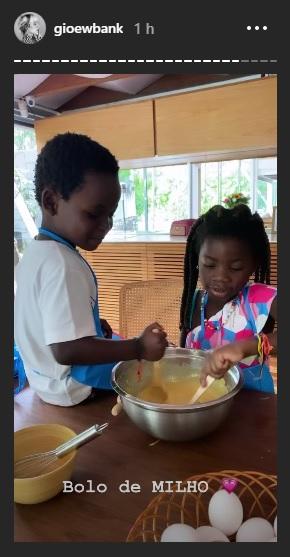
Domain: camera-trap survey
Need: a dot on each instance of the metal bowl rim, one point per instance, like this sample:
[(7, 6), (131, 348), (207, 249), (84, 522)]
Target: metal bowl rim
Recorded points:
[(174, 408)]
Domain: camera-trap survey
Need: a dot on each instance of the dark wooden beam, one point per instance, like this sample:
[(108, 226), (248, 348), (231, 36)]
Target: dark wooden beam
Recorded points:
[(173, 82), (57, 83), (93, 96)]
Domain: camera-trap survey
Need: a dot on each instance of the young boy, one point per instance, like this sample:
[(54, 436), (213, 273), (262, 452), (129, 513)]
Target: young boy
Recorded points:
[(57, 326)]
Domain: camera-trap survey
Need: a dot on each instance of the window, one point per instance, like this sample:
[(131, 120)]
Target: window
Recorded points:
[(210, 187), (131, 211), (266, 188), (255, 178), (168, 196), (26, 209), (152, 198)]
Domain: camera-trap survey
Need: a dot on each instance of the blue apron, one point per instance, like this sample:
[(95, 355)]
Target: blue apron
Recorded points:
[(258, 377), (19, 371), (97, 375)]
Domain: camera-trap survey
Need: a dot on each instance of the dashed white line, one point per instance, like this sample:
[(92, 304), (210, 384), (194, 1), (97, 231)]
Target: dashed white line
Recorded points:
[(150, 61)]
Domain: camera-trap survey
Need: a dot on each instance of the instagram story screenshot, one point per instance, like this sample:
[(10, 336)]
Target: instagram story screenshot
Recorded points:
[(141, 306)]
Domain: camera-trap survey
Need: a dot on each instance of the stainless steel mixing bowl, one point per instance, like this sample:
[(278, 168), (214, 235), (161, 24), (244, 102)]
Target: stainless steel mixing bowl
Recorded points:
[(173, 422)]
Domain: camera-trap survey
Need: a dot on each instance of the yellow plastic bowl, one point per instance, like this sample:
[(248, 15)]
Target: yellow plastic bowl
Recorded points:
[(40, 438)]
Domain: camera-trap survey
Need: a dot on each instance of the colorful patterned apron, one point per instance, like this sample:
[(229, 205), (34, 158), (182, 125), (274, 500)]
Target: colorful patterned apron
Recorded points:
[(256, 377)]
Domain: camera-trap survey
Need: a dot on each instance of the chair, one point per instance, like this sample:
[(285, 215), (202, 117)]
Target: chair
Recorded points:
[(143, 302)]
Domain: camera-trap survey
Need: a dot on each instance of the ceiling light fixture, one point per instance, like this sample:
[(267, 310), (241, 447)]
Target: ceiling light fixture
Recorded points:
[(94, 75)]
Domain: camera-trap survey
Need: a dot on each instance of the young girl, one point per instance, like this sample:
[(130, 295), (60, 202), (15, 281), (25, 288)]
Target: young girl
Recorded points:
[(231, 316), (66, 348)]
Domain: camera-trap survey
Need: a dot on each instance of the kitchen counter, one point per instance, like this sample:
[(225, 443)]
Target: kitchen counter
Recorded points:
[(132, 237), (246, 441)]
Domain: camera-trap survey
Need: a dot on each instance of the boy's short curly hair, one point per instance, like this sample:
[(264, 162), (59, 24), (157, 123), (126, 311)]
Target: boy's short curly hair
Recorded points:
[(64, 160)]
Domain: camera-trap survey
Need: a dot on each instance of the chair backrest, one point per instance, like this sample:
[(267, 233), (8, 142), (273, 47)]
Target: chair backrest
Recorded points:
[(143, 302)]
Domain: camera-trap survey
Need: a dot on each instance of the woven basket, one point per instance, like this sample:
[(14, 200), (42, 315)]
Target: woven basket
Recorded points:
[(257, 492)]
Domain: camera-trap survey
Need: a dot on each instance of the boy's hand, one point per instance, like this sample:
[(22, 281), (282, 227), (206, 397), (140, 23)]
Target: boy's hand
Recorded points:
[(218, 362), (106, 328), (153, 342)]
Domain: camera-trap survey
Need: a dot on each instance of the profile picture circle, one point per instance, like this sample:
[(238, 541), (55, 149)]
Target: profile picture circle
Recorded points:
[(29, 28)]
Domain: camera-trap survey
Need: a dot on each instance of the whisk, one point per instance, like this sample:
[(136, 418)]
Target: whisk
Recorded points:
[(40, 463)]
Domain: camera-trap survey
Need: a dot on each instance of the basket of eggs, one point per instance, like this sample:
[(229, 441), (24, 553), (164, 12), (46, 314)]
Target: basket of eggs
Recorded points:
[(226, 506)]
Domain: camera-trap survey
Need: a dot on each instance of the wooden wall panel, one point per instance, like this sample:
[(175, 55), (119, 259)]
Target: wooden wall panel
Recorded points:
[(116, 264), (228, 118), (165, 260), (274, 265), (126, 130)]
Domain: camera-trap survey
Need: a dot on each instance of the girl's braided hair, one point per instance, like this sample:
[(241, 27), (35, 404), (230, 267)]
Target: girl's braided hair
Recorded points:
[(238, 222)]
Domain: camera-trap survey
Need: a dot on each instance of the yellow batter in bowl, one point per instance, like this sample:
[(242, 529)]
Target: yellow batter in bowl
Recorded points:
[(178, 391)]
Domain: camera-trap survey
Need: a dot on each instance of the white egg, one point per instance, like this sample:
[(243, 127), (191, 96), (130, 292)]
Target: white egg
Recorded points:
[(275, 526), (255, 530), (272, 540), (179, 533), (225, 512), (210, 534)]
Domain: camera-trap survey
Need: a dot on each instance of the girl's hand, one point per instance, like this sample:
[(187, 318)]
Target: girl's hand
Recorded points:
[(153, 342), (218, 362), (106, 328)]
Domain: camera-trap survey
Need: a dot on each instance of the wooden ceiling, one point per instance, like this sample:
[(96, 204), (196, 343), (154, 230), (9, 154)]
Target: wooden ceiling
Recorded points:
[(95, 95), (70, 91)]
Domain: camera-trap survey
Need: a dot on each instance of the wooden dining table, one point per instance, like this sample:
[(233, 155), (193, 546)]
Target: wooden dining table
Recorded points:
[(124, 455)]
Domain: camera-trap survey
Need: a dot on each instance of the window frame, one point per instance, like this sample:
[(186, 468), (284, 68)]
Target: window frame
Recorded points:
[(194, 178)]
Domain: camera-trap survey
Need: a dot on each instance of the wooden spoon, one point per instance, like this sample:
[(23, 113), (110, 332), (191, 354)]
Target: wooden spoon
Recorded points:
[(117, 408), (202, 390)]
